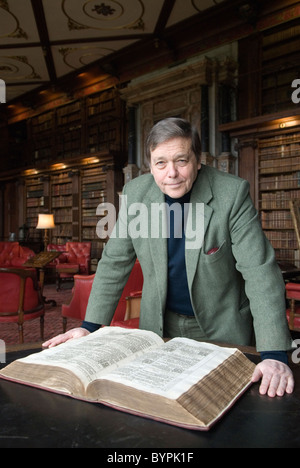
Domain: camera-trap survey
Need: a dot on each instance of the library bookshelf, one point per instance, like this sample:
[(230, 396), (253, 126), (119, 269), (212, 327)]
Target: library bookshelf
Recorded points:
[(72, 192), (269, 158), (279, 182)]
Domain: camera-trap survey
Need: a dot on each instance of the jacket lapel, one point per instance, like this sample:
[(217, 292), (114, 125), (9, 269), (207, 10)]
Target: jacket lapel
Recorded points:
[(198, 222), (157, 239)]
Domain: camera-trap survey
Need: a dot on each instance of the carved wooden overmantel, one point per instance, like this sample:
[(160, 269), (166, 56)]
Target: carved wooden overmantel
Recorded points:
[(177, 92)]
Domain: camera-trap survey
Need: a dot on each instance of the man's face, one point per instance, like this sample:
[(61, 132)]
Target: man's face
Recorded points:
[(174, 167)]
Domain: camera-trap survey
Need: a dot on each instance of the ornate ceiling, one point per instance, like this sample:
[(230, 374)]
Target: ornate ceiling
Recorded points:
[(44, 43), (43, 40)]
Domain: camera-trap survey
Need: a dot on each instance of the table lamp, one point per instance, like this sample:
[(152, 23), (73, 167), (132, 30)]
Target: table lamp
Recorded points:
[(45, 221)]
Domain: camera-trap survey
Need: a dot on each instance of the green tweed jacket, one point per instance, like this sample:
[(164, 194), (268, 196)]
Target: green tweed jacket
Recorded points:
[(237, 293)]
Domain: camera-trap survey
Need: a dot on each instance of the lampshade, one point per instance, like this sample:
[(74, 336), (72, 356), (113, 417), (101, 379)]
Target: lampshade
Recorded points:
[(45, 221)]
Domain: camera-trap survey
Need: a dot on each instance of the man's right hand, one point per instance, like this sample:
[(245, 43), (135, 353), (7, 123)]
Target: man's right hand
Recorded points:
[(63, 338)]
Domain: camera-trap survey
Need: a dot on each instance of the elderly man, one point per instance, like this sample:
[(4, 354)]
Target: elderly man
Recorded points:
[(213, 277)]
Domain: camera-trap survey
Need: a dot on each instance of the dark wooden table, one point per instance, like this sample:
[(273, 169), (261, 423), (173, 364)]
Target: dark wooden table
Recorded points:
[(36, 418)]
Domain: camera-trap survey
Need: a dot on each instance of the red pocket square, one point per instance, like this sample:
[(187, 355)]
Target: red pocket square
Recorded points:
[(212, 251)]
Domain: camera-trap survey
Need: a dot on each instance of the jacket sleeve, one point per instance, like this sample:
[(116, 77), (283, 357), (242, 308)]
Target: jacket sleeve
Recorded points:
[(264, 285)]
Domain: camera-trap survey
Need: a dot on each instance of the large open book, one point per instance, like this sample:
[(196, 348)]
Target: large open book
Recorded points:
[(181, 382)]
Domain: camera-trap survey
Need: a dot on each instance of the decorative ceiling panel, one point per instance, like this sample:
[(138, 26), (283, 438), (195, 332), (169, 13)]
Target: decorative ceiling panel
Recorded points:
[(69, 19), (17, 23), (43, 40), (184, 9), (72, 57), (22, 65)]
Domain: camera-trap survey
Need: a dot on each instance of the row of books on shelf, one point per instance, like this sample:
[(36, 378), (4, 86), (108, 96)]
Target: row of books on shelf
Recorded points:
[(288, 256), (69, 109), (102, 107), (93, 194), (65, 146), (89, 233), (276, 219), (32, 202), (61, 178), (280, 165), (96, 176), (279, 140), (42, 123), (64, 230), (90, 221), (67, 119), (282, 239), (62, 189), (92, 202), (101, 102), (278, 200), (63, 215), (35, 193), (93, 171), (92, 186), (280, 152), (69, 135), (61, 201), (102, 136), (33, 212), (280, 182), (43, 118), (99, 97)]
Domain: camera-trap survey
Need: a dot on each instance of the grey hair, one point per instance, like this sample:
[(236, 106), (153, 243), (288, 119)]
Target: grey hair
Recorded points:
[(170, 128)]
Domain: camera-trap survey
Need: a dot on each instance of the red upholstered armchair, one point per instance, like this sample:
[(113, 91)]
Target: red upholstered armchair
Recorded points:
[(75, 260), (20, 298), (293, 313), (125, 315), (12, 254)]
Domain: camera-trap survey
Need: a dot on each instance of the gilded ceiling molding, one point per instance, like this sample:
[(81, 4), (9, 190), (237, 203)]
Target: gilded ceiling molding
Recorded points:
[(139, 25), (66, 53), (108, 12), (73, 26), (18, 33), (23, 60)]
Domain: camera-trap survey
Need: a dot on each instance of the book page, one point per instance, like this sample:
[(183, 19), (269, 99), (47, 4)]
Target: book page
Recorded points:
[(173, 369), (103, 350)]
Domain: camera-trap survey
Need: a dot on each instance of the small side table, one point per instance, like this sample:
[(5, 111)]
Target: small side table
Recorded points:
[(40, 261)]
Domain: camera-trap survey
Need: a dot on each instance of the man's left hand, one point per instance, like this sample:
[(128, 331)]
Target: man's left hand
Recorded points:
[(277, 378)]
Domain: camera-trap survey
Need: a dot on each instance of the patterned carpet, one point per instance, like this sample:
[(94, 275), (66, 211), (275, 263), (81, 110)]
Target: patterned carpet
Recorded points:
[(53, 320)]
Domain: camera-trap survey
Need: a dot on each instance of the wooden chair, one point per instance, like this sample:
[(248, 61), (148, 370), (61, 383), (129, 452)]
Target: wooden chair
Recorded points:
[(76, 260), (127, 312), (293, 288), (133, 305), (293, 312), (20, 298), (79, 300)]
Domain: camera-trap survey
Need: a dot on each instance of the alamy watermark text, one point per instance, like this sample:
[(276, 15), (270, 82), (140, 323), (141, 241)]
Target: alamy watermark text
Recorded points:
[(296, 93), (2, 352), (153, 222), (2, 92)]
